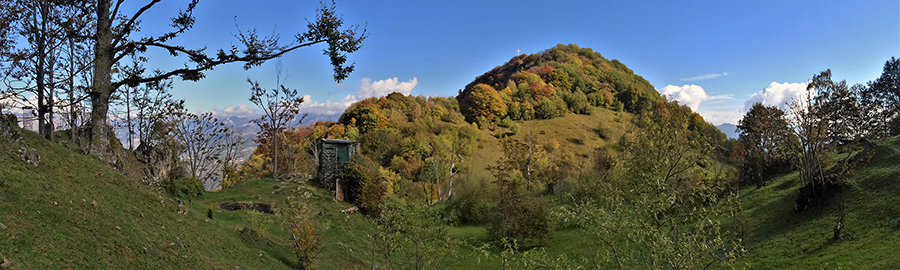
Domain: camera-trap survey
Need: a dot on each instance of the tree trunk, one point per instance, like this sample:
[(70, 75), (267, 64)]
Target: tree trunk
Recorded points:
[(41, 56), (72, 114), (275, 154), (103, 58)]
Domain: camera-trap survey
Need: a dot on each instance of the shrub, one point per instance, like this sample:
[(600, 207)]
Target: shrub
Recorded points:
[(470, 204), (504, 122), (605, 132), (499, 134), (367, 185), (515, 128), (183, 187), (522, 218)]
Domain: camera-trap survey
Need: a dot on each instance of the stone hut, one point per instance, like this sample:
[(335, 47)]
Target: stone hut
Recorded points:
[(333, 156)]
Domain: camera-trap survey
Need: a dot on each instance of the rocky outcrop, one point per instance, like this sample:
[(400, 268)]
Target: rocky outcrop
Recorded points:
[(7, 131), (29, 156), (107, 153), (158, 162)]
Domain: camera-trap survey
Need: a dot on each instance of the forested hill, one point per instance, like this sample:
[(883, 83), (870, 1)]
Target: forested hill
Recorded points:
[(549, 83)]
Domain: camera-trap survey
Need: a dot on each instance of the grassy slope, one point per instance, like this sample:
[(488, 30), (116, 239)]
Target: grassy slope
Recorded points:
[(779, 238), (576, 134), (91, 201), (73, 211)]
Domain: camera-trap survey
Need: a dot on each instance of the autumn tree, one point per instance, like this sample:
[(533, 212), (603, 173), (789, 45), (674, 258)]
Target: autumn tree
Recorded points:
[(280, 106), (364, 115), (483, 102), (115, 39)]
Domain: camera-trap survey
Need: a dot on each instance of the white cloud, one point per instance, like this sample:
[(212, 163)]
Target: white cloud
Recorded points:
[(329, 107), (240, 109), (777, 94), (690, 95), (719, 115), (704, 77), (368, 89)]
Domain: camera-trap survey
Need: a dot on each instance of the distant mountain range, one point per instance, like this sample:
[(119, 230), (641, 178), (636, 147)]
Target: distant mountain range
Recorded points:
[(729, 129), (246, 129)]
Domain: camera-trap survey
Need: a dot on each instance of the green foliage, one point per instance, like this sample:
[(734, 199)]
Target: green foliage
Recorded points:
[(578, 103), (470, 203), (525, 218), (546, 109), (515, 129), (765, 135), (183, 187), (261, 222), (417, 234), (660, 209), (298, 219), (366, 184)]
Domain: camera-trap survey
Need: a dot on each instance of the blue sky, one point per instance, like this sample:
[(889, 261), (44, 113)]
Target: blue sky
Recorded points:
[(712, 55)]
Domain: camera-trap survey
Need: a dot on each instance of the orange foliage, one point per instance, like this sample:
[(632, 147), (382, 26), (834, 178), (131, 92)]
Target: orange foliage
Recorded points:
[(541, 90), (543, 71), (485, 102), (336, 131)]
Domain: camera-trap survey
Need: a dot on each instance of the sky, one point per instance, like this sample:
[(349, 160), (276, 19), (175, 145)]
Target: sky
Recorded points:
[(716, 56)]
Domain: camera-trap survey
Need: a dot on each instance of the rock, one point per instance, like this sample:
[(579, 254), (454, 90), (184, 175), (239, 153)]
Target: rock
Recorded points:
[(29, 155), (7, 132), (350, 210), (4, 263), (157, 162), (2, 226)]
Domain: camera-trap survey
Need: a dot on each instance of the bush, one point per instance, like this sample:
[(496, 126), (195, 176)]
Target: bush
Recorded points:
[(367, 185), (499, 134), (470, 204), (605, 132), (515, 129), (183, 187), (504, 122), (522, 218)]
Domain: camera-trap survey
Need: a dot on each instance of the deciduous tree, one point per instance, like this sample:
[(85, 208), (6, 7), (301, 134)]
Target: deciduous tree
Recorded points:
[(201, 140), (765, 135), (483, 103), (114, 40), (280, 106)]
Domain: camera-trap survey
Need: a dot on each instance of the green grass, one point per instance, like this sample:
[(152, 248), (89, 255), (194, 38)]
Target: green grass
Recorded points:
[(73, 211), (779, 238)]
